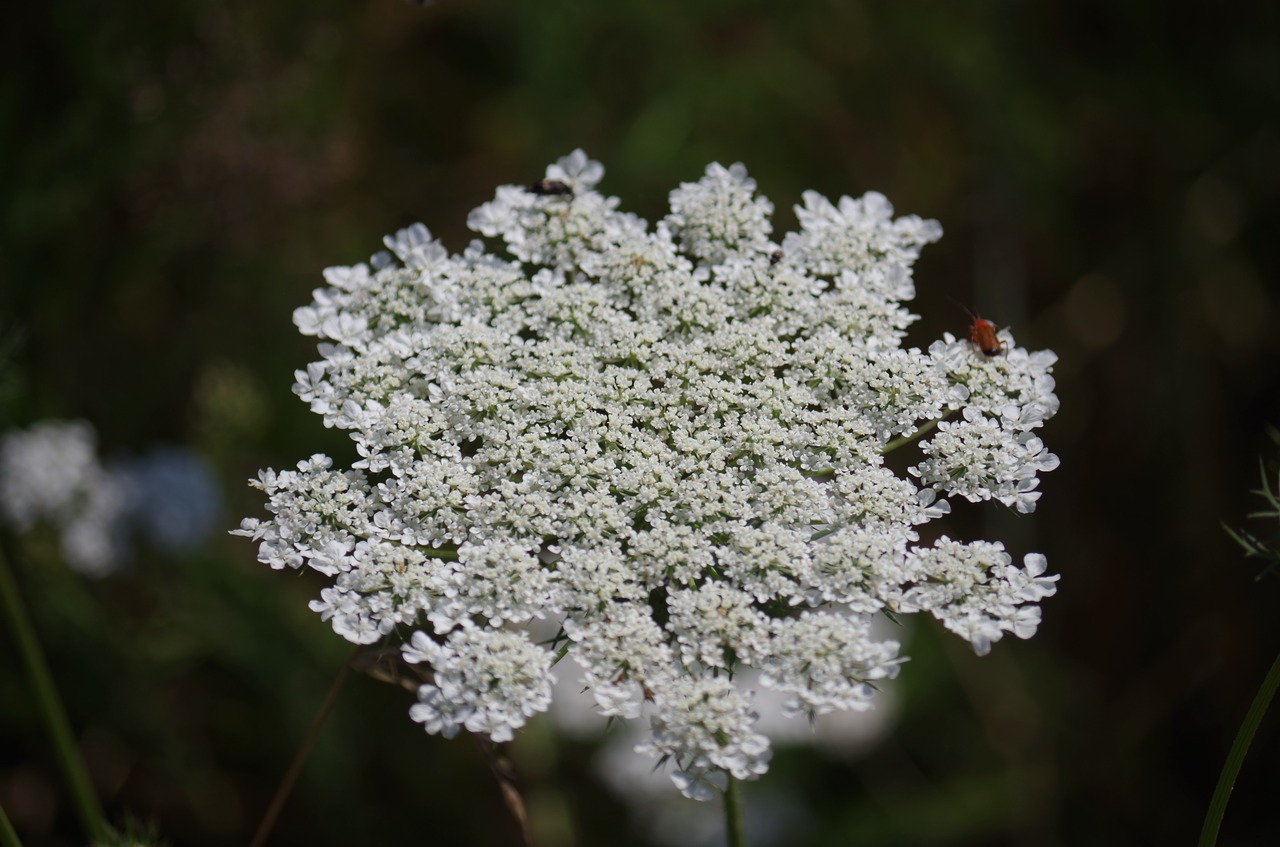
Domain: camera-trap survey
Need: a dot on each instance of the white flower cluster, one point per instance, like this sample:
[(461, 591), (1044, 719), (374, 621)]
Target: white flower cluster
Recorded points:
[(50, 473), (668, 443)]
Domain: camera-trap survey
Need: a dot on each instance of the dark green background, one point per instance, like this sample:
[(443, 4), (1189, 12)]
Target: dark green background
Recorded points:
[(175, 175)]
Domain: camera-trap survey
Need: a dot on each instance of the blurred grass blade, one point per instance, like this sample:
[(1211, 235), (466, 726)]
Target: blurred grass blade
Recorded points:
[(50, 706), (1230, 770), (8, 838)]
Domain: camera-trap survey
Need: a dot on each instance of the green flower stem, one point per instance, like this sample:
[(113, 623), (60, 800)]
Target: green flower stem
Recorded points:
[(80, 787), (904, 440), (8, 838), (735, 835), (1231, 769)]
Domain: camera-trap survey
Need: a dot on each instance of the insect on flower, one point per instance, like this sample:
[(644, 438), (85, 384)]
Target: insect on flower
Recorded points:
[(544, 187), (982, 333)]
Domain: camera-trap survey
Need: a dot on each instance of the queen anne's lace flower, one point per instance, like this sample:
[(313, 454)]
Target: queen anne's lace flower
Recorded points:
[(486, 680), (51, 473), (665, 441)]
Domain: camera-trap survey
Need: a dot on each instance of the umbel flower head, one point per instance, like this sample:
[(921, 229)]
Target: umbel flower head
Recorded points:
[(665, 442), (50, 473)]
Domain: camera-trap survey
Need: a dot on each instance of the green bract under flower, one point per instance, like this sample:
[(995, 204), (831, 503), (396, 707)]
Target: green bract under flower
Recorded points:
[(668, 443)]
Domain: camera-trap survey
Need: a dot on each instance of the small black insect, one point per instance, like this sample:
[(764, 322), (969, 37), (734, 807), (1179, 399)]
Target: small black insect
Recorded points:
[(775, 257), (546, 187)]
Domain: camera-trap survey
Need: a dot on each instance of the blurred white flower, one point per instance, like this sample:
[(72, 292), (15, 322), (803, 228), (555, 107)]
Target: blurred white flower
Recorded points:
[(666, 442), (51, 473)]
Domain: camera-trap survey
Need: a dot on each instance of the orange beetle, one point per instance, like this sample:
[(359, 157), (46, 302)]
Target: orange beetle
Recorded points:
[(983, 335)]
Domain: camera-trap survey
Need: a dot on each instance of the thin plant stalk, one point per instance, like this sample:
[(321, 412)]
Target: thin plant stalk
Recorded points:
[(66, 751), (8, 836), (735, 834), (299, 758), (904, 440), (374, 664), (504, 773), (1231, 769)]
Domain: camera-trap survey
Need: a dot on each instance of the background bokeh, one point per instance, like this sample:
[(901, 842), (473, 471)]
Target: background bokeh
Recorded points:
[(175, 175)]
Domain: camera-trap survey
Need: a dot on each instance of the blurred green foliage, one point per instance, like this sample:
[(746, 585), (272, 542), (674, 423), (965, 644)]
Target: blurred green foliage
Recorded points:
[(175, 176), (1267, 546)]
